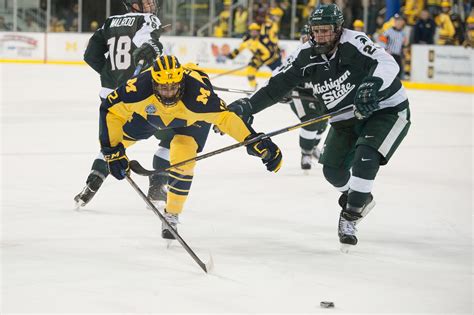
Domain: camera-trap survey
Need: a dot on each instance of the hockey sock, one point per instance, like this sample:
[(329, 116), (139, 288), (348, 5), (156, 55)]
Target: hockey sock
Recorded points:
[(364, 169)]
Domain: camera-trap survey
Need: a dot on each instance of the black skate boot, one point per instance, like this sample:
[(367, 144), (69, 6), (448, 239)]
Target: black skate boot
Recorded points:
[(348, 219), (93, 183), (172, 219)]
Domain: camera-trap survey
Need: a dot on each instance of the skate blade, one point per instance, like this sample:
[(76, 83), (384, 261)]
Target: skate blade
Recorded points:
[(306, 172), (346, 248), (210, 264), (168, 243), (78, 205)]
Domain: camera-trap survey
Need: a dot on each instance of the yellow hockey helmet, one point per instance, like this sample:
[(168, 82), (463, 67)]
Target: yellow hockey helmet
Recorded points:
[(470, 20), (168, 83), (276, 11), (445, 4), (254, 27), (358, 23)]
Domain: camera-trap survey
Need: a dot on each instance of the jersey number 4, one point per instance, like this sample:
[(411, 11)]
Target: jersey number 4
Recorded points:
[(119, 52)]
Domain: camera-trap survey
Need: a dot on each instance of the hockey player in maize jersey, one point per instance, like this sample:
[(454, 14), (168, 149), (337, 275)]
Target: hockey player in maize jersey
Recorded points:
[(169, 95), (346, 70), (307, 107), (114, 51)]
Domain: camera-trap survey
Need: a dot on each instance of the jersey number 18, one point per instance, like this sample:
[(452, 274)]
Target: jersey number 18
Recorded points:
[(119, 52)]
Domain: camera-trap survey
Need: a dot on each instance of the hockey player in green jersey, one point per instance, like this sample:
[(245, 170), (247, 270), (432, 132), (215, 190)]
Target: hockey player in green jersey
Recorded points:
[(170, 95), (346, 70), (114, 51)]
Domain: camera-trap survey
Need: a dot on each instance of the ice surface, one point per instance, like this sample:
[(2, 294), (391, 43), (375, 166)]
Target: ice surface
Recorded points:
[(272, 236)]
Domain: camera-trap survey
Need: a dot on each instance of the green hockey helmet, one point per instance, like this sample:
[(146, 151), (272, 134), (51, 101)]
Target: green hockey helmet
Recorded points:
[(326, 27), (145, 6)]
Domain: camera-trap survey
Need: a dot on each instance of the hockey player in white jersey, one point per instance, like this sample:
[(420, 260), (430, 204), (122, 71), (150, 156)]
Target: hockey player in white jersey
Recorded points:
[(347, 71)]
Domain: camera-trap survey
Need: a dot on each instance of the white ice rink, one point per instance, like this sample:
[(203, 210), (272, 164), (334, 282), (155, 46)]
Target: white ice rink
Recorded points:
[(273, 237)]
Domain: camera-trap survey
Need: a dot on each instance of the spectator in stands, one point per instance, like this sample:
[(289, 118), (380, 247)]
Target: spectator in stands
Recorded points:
[(379, 22), (433, 7), (31, 25), (469, 41), (459, 29), (285, 21), (93, 26), (222, 27), (56, 25), (358, 26), (394, 40), (425, 29), (446, 27), (240, 21), (412, 10), (74, 27), (3, 25)]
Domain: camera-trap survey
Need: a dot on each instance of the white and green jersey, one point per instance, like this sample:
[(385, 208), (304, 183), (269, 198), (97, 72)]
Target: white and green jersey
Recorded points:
[(334, 80), (110, 49)]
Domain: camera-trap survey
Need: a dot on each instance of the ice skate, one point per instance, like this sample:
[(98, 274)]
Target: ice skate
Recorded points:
[(93, 184), (348, 219), (306, 162), (172, 219)]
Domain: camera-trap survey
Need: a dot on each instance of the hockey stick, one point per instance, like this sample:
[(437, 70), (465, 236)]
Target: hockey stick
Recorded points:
[(203, 266), (249, 92), (139, 67), (228, 72), (140, 170)]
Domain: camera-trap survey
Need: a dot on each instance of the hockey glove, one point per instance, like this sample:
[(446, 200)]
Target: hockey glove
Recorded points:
[(233, 54), (117, 160), (243, 108), (367, 97), (147, 52), (266, 150)]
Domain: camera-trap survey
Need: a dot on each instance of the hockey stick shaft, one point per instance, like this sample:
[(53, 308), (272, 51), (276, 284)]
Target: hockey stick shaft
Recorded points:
[(140, 170), (139, 67), (170, 228), (248, 92), (229, 72)]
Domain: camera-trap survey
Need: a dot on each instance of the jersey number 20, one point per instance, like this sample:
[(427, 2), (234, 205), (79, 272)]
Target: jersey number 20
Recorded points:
[(119, 52)]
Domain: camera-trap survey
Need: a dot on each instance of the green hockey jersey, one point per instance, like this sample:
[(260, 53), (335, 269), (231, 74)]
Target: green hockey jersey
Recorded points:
[(334, 80), (110, 49)]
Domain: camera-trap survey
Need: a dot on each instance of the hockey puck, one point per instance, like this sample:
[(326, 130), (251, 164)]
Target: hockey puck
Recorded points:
[(326, 304)]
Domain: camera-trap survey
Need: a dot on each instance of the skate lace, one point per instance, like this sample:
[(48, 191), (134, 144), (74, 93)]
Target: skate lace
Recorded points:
[(347, 227)]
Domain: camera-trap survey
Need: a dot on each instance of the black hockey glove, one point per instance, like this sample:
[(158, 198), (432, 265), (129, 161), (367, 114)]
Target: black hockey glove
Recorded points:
[(266, 150), (117, 160), (367, 97), (243, 108), (233, 54), (147, 52)]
